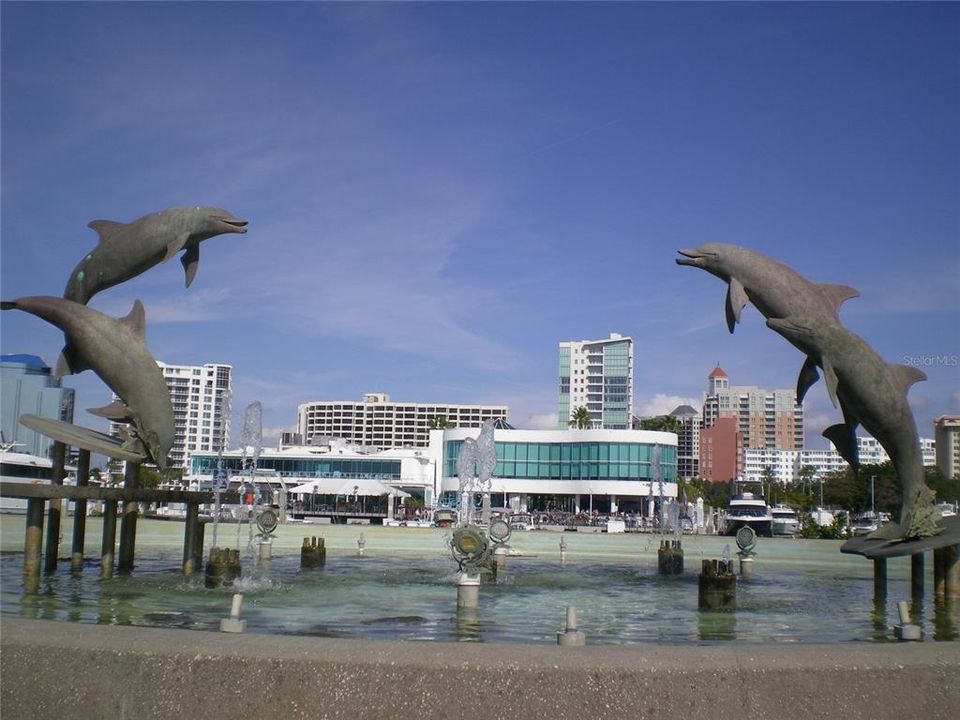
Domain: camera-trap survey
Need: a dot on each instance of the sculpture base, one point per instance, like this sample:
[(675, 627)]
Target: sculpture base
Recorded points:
[(875, 548), (80, 437)]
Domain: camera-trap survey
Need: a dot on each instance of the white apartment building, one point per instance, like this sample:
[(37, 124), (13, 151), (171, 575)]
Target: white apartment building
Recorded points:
[(947, 435), (202, 403), (688, 441), (378, 422), (786, 464), (597, 375)]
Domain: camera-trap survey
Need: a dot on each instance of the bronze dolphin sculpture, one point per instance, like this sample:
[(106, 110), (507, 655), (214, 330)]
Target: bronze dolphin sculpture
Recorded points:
[(773, 288), (872, 393), (129, 249), (115, 350)]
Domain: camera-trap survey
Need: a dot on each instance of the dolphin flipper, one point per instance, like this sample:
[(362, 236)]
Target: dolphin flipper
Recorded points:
[(190, 260), (116, 411), (69, 363), (175, 246), (844, 438), (830, 378), (736, 299), (808, 376)]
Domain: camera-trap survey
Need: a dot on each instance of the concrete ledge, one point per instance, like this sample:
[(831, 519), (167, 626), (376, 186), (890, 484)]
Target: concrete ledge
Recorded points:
[(67, 670)]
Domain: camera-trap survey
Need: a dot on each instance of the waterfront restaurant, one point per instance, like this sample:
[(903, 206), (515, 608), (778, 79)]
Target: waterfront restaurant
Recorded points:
[(604, 471)]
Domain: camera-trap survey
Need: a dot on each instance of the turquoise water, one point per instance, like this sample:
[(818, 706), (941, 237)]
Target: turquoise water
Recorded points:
[(803, 591)]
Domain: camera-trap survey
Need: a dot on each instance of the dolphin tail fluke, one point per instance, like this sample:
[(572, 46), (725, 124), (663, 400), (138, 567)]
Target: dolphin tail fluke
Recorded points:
[(736, 300), (116, 411), (190, 260), (808, 376), (844, 439)]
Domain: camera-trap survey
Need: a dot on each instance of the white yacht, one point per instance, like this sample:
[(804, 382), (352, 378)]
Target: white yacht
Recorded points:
[(20, 467), (747, 508), (785, 522)]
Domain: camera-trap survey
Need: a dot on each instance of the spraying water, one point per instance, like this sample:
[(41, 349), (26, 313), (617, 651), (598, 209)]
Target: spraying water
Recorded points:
[(252, 440)]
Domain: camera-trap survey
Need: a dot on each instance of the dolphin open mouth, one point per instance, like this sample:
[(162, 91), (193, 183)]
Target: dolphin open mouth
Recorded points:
[(235, 225), (690, 257)]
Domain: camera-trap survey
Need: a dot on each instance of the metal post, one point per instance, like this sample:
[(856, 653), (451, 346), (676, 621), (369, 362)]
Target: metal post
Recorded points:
[(80, 511), (58, 455), (128, 525), (33, 545), (916, 575), (190, 538), (879, 578), (109, 538)]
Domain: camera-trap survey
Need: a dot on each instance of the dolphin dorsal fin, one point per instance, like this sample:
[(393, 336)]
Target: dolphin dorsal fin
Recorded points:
[(106, 228), (837, 294), (905, 376), (736, 300), (136, 320)]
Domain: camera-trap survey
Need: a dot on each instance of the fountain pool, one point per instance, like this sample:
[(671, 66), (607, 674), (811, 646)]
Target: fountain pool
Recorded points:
[(404, 588)]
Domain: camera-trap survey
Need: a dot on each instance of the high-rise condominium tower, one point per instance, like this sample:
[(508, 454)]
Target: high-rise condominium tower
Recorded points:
[(597, 375)]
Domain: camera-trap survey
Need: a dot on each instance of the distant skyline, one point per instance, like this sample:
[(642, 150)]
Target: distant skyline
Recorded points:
[(441, 193)]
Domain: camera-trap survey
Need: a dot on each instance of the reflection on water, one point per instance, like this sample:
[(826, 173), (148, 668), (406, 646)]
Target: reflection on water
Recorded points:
[(405, 588)]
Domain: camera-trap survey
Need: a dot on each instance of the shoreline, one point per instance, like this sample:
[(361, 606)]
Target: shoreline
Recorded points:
[(69, 670)]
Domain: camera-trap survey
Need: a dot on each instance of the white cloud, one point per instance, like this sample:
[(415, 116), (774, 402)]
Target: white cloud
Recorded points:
[(662, 404), (547, 421)]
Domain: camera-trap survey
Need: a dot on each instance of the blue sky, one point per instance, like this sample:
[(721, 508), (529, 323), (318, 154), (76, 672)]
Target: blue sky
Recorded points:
[(438, 194)]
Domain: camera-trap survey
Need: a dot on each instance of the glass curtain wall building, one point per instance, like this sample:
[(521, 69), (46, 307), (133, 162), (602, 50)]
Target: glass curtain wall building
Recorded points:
[(597, 375), (617, 470)]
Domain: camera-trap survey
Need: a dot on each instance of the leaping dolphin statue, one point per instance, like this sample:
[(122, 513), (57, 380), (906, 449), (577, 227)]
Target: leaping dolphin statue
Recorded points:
[(773, 288), (129, 249), (872, 393), (115, 350)]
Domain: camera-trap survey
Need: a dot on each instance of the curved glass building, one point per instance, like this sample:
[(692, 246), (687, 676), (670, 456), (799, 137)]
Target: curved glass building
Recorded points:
[(571, 470)]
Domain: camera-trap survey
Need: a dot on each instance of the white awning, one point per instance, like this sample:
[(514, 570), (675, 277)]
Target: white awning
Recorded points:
[(340, 486)]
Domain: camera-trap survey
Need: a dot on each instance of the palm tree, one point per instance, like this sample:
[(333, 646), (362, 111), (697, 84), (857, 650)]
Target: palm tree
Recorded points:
[(663, 423), (581, 419), (439, 423)]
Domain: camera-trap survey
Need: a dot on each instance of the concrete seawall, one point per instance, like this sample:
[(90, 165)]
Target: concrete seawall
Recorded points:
[(67, 670)]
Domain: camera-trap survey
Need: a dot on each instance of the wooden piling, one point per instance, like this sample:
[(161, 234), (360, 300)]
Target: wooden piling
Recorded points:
[(109, 538), (951, 572), (58, 454), (313, 553), (33, 545), (670, 558), (879, 578), (916, 575), (939, 568), (717, 586), (198, 544), (190, 539), (128, 524), (223, 567), (80, 512)]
